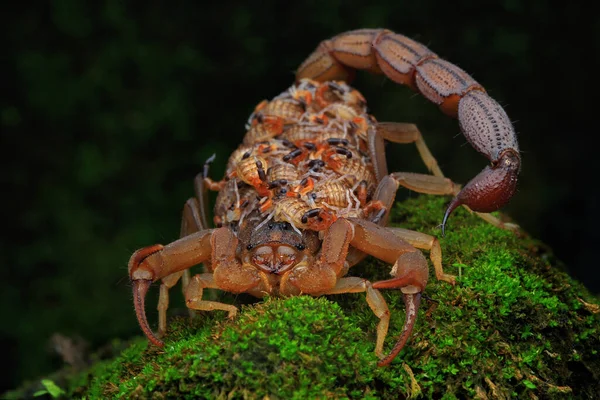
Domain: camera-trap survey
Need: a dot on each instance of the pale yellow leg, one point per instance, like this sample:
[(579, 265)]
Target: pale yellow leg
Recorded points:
[(423, 183), (163, 300), (404, 133), (375, 301), (193, 295), (430, 243)]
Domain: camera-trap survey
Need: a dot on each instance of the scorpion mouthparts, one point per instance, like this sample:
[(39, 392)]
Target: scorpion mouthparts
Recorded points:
[(140, 288), (411, 302), (491, 189)]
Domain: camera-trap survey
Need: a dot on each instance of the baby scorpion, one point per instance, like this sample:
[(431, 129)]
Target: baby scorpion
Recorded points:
[(276, 238)]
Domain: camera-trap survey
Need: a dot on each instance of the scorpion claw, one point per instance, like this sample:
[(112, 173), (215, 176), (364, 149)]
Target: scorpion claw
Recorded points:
[(412, 302), (140, 288), (491, 189)]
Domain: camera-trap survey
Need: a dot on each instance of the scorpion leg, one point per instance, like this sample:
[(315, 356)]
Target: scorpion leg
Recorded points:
[(152, 263), (375, 301), (201, 212), (201, 192), (481, 119), (401, 133), (430, 243), (420, 183), (410, 271), (193, 295)]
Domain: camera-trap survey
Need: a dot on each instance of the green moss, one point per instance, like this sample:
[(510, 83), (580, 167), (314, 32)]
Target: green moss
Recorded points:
[(515, 325), (299, 347)]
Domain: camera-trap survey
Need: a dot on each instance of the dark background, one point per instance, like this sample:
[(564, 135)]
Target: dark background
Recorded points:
[(109, 110)]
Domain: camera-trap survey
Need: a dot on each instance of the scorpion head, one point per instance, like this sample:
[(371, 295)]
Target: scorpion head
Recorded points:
[(275, 247), (275, 258)]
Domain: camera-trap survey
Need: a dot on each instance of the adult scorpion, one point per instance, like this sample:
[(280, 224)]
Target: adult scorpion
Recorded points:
[(306, 195)]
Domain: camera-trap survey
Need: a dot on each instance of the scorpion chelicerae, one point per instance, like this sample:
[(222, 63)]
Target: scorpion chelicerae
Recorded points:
[(306, 195)]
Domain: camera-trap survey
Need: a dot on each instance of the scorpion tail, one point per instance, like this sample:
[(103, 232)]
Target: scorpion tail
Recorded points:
[(140, 288), (491, 189), (482, 120), (487, 127), (412, 302)]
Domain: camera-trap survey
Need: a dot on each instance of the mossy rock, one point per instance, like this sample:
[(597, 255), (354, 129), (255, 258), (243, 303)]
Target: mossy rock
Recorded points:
[(514, 326)]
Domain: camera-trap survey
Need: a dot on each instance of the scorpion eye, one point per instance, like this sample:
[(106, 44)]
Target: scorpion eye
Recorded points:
[(300, 246), (250, 247)]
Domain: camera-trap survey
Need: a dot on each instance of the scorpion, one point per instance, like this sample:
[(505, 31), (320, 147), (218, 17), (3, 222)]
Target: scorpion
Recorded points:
[(307, 194)]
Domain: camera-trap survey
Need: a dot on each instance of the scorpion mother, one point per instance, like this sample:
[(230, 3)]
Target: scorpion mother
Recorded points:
[(307, 194)]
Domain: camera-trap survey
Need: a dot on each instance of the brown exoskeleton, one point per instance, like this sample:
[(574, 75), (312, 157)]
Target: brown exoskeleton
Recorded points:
[(307, 195)]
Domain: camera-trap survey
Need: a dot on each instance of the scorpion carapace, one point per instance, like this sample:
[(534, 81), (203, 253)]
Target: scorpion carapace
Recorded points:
[(306, 195)]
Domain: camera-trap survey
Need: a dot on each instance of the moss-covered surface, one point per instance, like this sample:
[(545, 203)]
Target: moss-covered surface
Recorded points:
[(514, 325)]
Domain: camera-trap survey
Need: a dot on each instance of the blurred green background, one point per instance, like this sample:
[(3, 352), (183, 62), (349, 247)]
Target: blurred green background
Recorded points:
[(109, 109)]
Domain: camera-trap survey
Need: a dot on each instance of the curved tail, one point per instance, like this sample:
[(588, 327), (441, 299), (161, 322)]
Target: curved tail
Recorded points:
[(482, 120)]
